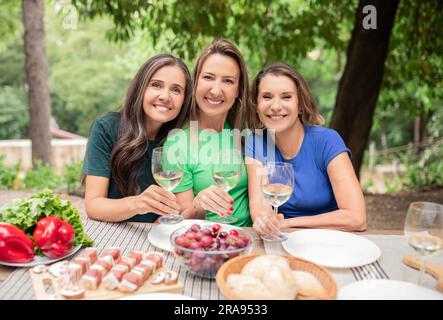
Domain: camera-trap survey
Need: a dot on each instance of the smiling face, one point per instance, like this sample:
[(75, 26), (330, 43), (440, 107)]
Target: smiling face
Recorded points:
[(164, 95), (277, 103), (217, 85)]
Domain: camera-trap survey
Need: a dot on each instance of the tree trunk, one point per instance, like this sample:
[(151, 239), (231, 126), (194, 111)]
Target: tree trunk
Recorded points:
[(360, 84), (39, 100)]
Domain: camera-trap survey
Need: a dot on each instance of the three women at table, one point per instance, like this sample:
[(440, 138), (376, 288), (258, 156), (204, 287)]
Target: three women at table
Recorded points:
[(119, 183), (327, 193), (117, 166)]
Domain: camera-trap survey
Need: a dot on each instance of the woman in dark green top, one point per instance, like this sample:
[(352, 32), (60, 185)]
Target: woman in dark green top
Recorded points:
[(118, 181)]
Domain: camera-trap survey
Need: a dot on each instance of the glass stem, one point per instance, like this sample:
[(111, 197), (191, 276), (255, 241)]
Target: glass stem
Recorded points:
[(422, 271), (275, 213)]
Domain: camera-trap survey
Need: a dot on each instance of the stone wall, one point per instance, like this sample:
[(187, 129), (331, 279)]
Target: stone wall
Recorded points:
[(64, 151)]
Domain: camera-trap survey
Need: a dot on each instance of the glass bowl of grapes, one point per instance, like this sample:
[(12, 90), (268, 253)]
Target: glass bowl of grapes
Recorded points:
[(203, 249)]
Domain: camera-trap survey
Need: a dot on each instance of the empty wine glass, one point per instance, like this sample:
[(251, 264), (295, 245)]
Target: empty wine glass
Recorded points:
[(277, 184), (167, 170), (424, 230), (226, 172)]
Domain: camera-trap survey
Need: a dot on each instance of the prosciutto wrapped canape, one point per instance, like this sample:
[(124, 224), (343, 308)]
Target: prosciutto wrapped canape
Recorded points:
[(131, 281), (114, 252), (155, 257), (91, 279)]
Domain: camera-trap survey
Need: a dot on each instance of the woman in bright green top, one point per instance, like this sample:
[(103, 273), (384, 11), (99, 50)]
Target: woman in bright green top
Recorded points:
[(117, 166), (218, 110)]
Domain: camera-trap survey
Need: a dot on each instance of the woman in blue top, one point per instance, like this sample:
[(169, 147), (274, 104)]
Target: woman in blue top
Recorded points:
[(326, 193)]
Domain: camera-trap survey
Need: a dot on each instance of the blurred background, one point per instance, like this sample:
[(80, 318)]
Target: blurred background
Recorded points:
[(374, 67)]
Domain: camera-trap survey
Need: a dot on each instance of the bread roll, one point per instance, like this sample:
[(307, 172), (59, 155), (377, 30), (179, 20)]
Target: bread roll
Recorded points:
[(279, 285), (275, 273), (308, 286), (247, 287)]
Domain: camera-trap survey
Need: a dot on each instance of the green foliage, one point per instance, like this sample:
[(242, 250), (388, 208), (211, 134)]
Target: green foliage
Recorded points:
[(413, 76), (426, 171), (10, 21), (13, 113), (392, 184), (272, 30), (41, 177), (366, 187), (8, 174), (72, 176)]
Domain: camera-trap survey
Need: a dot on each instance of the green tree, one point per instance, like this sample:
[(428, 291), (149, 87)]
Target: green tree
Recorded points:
[(287, 30)]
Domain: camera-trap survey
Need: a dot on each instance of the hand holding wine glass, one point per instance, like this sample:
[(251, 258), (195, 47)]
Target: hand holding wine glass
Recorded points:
[(226, 173), (277, 184), (424, 230), (167, 170)]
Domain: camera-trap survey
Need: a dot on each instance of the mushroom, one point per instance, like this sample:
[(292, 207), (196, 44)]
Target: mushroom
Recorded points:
[(59, 268), (158, 278), (72, 293), (171, 277), (39, 269)]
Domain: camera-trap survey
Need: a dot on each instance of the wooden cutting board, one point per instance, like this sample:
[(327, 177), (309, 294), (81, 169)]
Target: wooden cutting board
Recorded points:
[(46, 287), (433, 269)]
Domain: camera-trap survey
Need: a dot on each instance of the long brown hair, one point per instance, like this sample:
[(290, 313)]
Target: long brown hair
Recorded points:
[(131, 146), (308, 110), (237, 113)]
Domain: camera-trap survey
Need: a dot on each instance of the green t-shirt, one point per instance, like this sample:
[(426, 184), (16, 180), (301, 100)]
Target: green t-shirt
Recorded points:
[(103, 136), (197, 173)]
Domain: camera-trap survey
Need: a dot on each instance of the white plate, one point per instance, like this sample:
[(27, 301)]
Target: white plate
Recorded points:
[(331, 248), (160, 233), (387, 290), (157, 296), (41, 260)]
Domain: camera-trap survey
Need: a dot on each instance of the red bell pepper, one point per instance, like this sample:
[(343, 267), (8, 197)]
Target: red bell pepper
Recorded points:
[(54, 236), (15, 245)]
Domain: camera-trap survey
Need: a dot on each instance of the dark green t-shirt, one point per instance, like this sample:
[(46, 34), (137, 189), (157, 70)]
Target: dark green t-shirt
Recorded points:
[(103, 136)]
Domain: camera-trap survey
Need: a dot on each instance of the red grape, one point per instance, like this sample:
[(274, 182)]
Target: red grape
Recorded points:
[(233, 232), (216, 227), (195, 228), (205, 241)]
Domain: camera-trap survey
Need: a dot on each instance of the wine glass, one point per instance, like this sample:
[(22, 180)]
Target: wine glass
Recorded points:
[(277, 184), (226, 172), (424, 230), (167, 170)]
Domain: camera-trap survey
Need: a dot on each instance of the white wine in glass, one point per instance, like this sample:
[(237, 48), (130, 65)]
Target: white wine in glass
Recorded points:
[(424, 230), (277, 185), (167, 171), (226, 173), (226, 180), (276, 193), (168, 180)]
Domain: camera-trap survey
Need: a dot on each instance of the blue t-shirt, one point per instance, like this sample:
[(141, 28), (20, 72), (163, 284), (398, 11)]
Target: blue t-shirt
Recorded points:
[(313, 192)]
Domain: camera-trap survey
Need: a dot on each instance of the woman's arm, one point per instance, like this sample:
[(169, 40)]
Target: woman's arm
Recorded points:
[(351, 215), (154, 199), (212, 198), (186, 200)]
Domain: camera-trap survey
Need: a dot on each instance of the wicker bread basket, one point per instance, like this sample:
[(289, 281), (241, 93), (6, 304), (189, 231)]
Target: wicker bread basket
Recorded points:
[(236, 264)]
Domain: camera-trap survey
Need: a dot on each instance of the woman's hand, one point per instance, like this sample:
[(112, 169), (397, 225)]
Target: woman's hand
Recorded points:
[(158, 200), (269, 224), (215, 200)]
